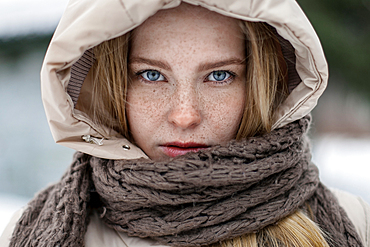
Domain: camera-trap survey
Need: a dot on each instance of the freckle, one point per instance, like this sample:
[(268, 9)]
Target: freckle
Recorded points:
[(154, 91)]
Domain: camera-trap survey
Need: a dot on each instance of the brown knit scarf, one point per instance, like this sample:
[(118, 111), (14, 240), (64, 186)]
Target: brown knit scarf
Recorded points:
[(191, 200)]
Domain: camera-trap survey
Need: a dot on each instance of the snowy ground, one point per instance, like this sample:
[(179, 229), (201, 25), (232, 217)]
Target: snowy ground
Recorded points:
[(9, 204), (344, 163)]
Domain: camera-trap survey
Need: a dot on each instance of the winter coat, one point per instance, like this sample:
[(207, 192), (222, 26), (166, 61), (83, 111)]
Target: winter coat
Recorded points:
[(84, 25), (87, 23)]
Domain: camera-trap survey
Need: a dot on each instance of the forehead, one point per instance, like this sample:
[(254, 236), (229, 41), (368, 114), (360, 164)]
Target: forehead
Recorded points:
[(188, 25), (195, 15)]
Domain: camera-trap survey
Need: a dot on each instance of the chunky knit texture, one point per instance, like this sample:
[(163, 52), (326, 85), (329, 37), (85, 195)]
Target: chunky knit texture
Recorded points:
[(191, 200)]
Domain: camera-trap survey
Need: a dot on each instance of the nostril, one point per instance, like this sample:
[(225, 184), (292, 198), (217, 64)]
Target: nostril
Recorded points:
[(185, 117), (184, 109)]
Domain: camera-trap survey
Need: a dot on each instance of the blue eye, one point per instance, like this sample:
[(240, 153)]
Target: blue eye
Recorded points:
[(219, 76), (152, 75)]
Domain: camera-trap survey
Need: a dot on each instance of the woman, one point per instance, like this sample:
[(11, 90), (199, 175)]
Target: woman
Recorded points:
[(191, 125)]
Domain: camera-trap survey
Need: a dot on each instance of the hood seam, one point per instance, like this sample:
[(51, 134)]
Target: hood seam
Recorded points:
[(129, 16)]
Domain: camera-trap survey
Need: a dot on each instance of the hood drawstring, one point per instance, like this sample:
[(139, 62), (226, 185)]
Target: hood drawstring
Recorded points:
[(93, 140)]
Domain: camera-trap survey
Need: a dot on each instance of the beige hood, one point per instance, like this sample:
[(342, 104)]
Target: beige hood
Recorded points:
[(87, 23)]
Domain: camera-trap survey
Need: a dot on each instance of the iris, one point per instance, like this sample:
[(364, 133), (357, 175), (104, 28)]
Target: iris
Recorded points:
[(153, 75), (219, 75)]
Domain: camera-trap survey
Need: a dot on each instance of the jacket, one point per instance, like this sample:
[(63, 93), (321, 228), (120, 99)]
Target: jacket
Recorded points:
[(87, 23), (84, 26)]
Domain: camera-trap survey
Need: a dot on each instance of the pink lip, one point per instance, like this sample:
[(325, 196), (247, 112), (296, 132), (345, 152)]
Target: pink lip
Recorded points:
[(174, 149)]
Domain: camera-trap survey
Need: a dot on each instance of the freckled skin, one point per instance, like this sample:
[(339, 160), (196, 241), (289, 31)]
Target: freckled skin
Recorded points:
[(185, 107)]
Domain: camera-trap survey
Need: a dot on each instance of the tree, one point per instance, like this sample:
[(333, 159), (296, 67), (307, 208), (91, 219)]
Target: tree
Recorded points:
[(344, 30)]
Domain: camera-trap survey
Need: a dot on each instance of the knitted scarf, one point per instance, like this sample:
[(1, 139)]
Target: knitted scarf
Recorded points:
[(191, 200)]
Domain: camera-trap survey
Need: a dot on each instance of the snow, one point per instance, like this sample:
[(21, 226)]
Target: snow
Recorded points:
[(344, 163), (21, 17), (9, 204)]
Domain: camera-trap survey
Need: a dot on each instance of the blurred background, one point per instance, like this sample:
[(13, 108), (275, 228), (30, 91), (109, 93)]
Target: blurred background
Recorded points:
[(30, 160)]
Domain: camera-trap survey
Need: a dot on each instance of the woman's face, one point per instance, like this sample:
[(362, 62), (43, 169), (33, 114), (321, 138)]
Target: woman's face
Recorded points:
[(188, 72)]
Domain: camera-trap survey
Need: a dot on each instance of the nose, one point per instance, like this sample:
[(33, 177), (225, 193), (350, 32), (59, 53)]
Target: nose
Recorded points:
[(185, 112)]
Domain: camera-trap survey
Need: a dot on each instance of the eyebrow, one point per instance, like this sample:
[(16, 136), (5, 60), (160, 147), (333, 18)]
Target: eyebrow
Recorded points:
[(201, 67), (213, 65), (151, 62)]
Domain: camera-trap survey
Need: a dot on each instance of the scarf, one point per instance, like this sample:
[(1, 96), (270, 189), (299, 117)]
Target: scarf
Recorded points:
[(191, 200)]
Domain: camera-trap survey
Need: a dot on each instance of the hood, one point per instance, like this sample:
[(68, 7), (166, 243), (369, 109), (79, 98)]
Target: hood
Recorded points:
[(87, 23)]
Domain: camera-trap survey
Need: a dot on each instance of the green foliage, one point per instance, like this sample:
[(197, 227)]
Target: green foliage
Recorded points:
[(344, 30), (14, 48)]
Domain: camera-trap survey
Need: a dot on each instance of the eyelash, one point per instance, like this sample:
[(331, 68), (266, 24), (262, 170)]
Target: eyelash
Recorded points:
[(231, 77), (139, 74)]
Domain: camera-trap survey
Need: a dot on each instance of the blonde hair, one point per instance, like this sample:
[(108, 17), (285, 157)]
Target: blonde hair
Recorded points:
[(266, 89), (296, 230), (110, 82), (266, 79)]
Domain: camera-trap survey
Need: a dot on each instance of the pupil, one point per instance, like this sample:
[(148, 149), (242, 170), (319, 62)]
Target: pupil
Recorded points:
[(153, 75), (219, 75)]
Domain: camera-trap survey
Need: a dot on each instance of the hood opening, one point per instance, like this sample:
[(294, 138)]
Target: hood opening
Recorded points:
[(66, 87), (81, 68)]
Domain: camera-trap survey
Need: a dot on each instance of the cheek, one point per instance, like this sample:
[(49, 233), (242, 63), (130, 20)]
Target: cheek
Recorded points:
[(143, 112), (224, 111)]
